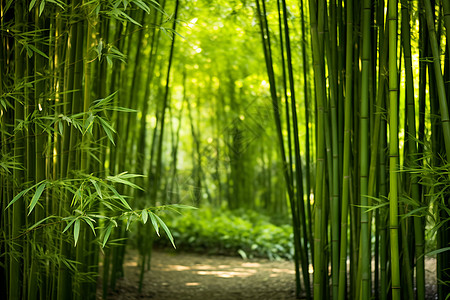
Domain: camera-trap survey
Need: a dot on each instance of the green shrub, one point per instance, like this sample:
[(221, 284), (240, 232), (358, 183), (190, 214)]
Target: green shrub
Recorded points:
[(245, 233)]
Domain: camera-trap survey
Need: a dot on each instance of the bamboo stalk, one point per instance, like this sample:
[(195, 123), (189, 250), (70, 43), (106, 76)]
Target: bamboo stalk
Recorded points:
[(412, 152), (298, 163), (364, 153), (393, 149), (320, 155), (342, 290), (15, 277)]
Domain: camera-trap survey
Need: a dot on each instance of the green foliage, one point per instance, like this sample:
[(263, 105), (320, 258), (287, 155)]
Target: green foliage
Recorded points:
[(246, 233)]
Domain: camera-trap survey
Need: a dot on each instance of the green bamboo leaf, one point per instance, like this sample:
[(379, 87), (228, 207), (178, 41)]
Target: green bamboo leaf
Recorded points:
[(437, 251), (18, 196), (121, 198), (68, 225), (109, 130), (91, 224), (142, 5), (182, 206), (121, 179), (126, 16), (40, 222), (97, 188), (166, 229), (32, 3), (61, 128), (41, 7), (418, 212), (154, 222), (144, 216), (130, 219), (36, 197), (88, 124), (34, 49), (57, 2), (107, 234), (76, 231)]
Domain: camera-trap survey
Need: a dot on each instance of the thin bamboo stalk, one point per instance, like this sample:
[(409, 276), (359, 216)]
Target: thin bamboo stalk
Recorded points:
[(330, 41), (342, 290), (412, 151), (364, 156), (298, 163), (15, 277), (265, 37), (393, 149)]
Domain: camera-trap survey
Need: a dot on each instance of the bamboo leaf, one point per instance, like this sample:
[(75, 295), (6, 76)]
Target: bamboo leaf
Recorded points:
[(89, 222), (97, 188), (142, 5), (144, 216), (76, 231), (438, 251), (107, 234), (121, 179), (41, 7), (121, 198), (68, 225), (109, 130), (40, 222), (183, 206), (36, 197), (34, 49), (166, 229), (130, 219), (18, 196), (154, 222), (32, 3)]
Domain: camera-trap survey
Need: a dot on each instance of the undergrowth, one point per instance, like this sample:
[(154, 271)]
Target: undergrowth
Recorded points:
[(243, 232)]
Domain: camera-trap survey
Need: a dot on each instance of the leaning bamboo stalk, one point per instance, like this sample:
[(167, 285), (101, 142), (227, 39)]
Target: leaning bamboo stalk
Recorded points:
[(265, 37), (307, 134), (445, 121), (298, 163), (443, 107), (165, 103), (285, 95)]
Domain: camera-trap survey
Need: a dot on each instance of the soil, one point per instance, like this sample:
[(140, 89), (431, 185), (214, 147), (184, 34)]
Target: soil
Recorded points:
[(176, 276)]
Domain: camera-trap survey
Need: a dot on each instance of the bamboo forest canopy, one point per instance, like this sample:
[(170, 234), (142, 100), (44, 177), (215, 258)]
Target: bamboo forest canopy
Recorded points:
[(331, 115)]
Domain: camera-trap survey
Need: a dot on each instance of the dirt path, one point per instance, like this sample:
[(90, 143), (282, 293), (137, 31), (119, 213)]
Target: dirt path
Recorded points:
[(193, 276), (176, 276)]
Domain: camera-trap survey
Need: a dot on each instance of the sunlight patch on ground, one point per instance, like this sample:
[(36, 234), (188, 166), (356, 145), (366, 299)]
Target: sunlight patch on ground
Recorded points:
[(177, 268), (241, 270), (225, 274), (131, 264), (223, 266), (203, 267), (251, 265), (288, 271)]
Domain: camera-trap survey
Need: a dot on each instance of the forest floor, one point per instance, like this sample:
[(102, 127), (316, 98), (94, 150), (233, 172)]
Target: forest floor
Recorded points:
[(176, 276)]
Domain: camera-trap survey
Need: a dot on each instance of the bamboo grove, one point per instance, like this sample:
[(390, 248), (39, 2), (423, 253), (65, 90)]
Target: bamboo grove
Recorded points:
[(67, 170), (381, 142), (113, 112)]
